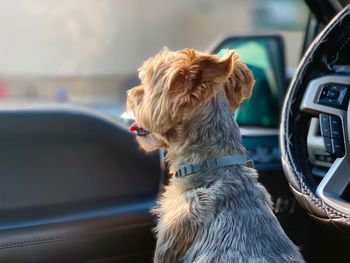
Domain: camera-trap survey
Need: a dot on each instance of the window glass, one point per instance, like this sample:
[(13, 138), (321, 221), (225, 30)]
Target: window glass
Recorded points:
[(264, 57), (87, 51)]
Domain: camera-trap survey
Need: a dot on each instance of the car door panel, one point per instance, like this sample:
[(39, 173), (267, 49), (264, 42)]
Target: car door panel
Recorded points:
[(74, 187), (79, 240)]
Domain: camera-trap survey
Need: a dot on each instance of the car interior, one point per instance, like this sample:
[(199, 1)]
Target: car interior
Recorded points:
[(75, 187)]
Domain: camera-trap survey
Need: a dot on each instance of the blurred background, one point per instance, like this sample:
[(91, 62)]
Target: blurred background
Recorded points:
[(88, 52)]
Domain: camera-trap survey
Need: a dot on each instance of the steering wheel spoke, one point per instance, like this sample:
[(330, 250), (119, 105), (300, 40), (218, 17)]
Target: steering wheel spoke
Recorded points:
[(334, 187), (328, 95)]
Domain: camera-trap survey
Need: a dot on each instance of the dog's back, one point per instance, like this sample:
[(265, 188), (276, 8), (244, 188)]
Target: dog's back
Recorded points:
[(227, 219)]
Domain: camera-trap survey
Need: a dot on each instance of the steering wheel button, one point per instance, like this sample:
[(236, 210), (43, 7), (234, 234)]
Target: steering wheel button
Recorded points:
[(328, 144), (336, 127), (338, 147), (324, 93), (325, 125), (329, 102), (338, 87), (333, 94)]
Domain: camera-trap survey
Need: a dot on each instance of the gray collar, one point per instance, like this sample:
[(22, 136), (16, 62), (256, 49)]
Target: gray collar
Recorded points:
[(217, 162)]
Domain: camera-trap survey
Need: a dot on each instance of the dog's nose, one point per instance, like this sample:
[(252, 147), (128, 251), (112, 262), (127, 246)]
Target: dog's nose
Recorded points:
[(133, 127)]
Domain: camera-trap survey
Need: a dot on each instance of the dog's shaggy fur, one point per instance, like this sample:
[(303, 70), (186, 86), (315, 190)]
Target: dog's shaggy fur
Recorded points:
[(185, 102)]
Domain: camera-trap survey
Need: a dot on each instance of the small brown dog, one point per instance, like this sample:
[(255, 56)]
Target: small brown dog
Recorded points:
[(216, 212)]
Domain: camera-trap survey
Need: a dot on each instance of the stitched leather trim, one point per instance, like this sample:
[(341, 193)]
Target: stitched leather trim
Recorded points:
[(54, 238)]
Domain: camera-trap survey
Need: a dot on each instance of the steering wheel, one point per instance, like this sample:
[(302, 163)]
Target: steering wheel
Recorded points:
[(320, 91)]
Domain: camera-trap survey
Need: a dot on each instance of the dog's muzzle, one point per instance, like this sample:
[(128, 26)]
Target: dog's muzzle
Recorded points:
[(140, 131)]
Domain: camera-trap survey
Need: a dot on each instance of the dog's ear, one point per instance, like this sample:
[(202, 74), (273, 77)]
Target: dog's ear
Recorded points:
[(239, 85), (199, 77)]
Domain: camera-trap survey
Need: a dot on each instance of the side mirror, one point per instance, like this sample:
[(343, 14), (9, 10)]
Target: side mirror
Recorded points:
[(264, 56)]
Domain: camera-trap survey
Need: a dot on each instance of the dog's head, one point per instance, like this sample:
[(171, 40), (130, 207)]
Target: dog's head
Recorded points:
[(174, 84)]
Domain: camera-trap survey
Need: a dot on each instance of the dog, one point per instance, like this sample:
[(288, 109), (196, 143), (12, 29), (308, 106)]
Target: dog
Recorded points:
[(184, 104)]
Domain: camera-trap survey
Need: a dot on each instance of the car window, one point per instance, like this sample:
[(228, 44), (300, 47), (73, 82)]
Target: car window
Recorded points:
[(259, 53), (88, 52)]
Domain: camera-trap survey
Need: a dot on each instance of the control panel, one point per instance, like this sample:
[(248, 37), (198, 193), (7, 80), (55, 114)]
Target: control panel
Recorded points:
[(332, 133), (334, 95)]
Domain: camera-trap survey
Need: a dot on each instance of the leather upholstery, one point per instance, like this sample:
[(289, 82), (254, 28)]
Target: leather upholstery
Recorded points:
[(80, 240), (70, 190), (319, 58)]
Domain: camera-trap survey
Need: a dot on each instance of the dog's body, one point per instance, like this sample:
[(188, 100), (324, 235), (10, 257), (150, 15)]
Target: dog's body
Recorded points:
[(216, 215)]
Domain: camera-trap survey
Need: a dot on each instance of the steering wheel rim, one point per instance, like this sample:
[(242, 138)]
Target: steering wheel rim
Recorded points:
[(322, 201)]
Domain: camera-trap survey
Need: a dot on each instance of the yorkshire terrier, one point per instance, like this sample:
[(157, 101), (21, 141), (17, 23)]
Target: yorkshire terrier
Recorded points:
[(213, 209)]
